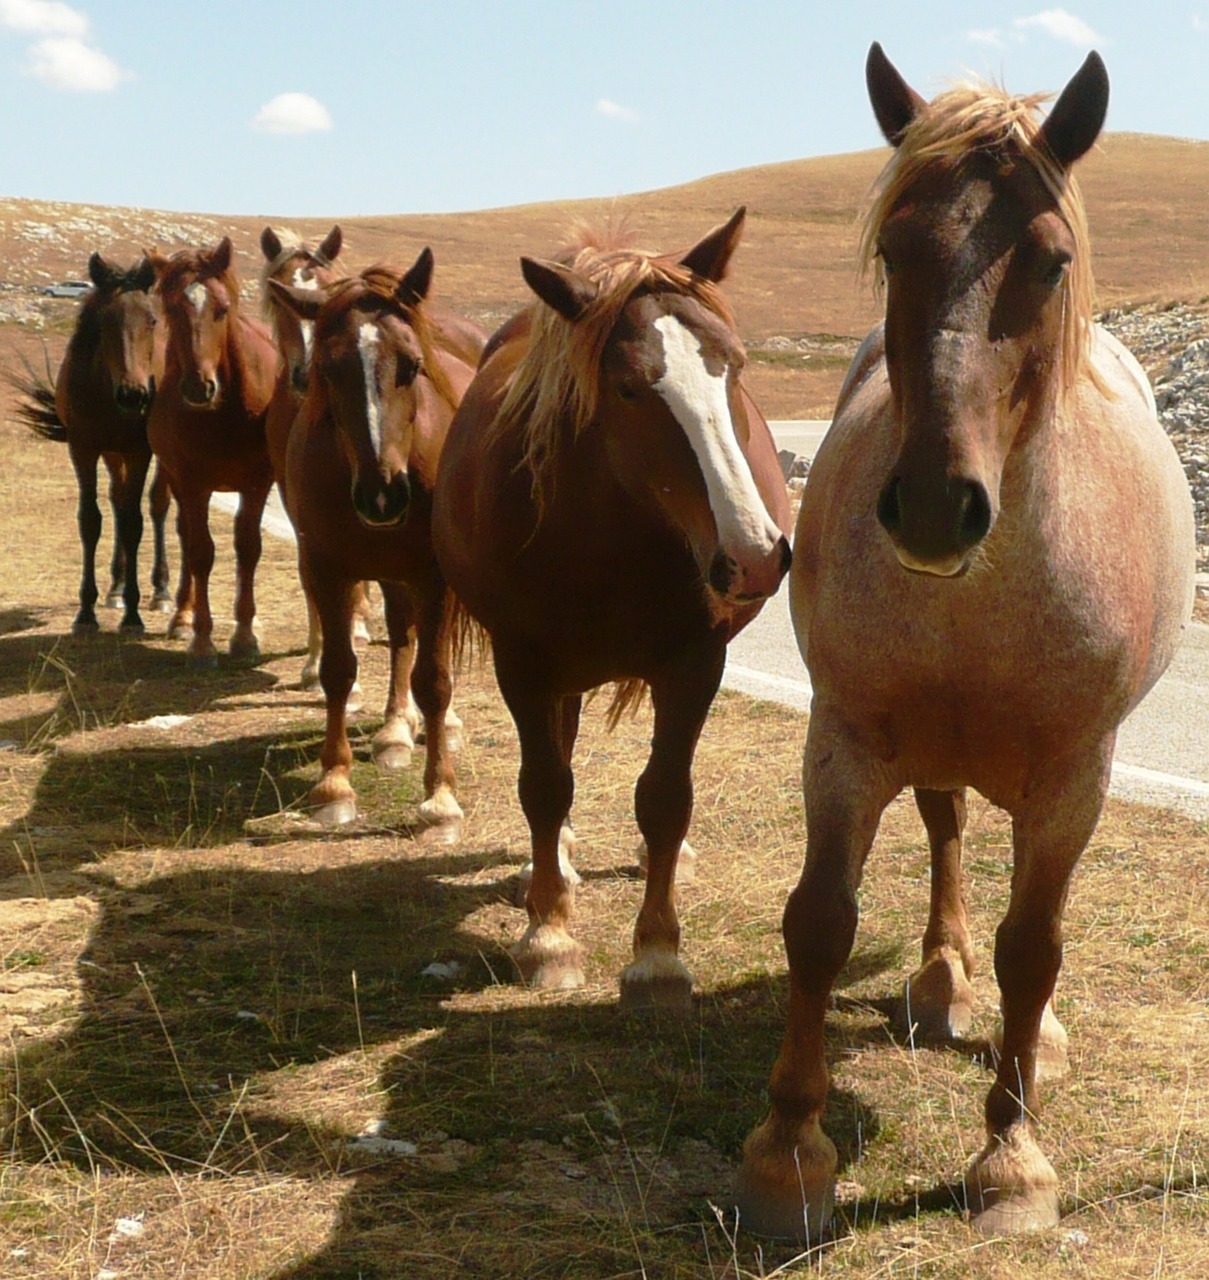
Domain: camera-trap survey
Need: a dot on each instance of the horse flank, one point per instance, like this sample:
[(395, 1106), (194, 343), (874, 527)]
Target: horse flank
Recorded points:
[(553, 393), (980, 117)]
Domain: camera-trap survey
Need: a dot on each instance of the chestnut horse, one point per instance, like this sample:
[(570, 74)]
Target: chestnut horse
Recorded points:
[(994, 563), (207, 427), (99, 407), (288, 260), (610, 508), (361, 465)]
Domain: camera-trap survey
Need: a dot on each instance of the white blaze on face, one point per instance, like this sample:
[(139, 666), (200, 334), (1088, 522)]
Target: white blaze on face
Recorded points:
[(367, 345), (196, 293), (304, 279), (697, 399)]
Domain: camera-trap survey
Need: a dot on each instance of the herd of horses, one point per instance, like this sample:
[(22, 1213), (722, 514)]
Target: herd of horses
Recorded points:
[(992, 564)]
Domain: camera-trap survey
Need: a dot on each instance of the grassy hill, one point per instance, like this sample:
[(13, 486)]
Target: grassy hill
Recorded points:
[(794, 283)]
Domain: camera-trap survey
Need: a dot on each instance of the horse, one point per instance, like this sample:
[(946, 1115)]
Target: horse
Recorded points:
[(610, 508), (385, 380), (288, 260), (98, 406), (994, 562), (207, 427)]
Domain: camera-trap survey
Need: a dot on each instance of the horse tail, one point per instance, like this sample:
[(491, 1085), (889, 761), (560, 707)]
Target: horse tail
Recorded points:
[(626, 700), (470, 639), (35, 406)]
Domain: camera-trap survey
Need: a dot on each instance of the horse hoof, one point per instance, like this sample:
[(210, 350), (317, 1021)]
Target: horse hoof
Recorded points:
[(571, 878), (549, 959), (133, 627), (1011, 1188), (309, 679), (392, 756), (657, 980), (439, 835), (179, 629), (161, 604), (939, 1001), (244, 648), (335, 813), (86, 627), (686, 862), (355, 700), (441, 809), (786, 1189), (1053, 1047), (115, 600), (203, 660)]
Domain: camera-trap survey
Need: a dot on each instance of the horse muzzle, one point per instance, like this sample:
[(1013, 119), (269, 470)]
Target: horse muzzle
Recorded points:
[(200, 393), (380, 503), (133, 400), (741, 581), (936, 529)]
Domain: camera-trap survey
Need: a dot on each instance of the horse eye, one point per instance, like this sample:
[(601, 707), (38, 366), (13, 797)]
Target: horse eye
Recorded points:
[(887, 265), (406, 371), (627, 393), (1055, 272)]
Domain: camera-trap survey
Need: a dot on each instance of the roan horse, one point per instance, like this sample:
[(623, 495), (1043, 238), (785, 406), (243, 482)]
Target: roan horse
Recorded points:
[(385, 380), (99, 407), (610, 508), (207, 427), (993, 564), (289, 261)]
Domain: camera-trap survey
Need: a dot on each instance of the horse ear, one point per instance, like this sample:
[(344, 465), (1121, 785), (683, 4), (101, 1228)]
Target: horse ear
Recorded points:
[(220, 259), (270, 244), (560, 288), (99, 270), (304, 303), (895, 103), (1078, 115), (144, 275), (414, 286), (710, 256), (329, 249), (157, 260)]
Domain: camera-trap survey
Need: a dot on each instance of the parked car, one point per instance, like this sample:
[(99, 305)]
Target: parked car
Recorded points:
[(67, 289)]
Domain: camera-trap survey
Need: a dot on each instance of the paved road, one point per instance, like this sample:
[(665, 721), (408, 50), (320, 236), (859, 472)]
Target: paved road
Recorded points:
[(1163, 749)]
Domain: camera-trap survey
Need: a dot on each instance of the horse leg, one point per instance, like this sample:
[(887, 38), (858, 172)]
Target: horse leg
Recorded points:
[(314, 645), (197, 552), (118, 572), (568, 731), (433, 685), (663, 805), (546, 956), (332, 799), (786, 1183), (396, 740), (88, 518), (1010, 1186), (127, 495), (939, 999), (247, 556), (362, 612), (180, 625), (161, 497)]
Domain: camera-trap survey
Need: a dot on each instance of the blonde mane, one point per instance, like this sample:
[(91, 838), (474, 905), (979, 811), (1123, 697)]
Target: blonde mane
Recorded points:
[(380, 282), (983, 118), (553, 393)]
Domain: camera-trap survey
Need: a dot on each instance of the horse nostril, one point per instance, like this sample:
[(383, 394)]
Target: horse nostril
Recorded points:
[(721, 572), (975, 521), (786, 555), (889, 514)]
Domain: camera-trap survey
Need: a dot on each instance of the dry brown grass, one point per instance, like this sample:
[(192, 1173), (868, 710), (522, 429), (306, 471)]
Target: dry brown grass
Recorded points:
[(552, 1136)]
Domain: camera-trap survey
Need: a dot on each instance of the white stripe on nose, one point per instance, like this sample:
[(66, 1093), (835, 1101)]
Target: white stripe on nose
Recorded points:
[(697, 399), (196, 293), (367, 345)]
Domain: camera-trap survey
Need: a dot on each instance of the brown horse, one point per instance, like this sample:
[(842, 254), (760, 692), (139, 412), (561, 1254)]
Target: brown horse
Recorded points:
[(207, 427), (99, 407), (361, 465), (994, 563), (289, 261), (610, 508)]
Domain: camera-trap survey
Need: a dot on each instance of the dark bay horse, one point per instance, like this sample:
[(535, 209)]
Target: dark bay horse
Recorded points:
[(384, 382), (99, 407), (994, 563), (290, 261), (207, 427), (610, 509)]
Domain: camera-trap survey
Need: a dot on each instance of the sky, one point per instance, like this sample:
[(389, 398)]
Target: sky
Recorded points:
[(362, 107)]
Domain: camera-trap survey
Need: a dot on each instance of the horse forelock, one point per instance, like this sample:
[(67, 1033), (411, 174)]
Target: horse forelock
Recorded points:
[(375, 290), (187, 267), (553, 393), (979, 118)]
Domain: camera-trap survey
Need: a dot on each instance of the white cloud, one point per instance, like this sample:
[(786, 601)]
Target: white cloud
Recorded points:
[(292, 113), (615, 111), (64, 62), (1062, 26), (992, 36), (43, 18)]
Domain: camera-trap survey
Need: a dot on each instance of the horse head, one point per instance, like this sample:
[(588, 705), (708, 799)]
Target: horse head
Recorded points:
[(200, 296), (668, 404), (126, 316), (979, 237), (291, 262), (367, 368)]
